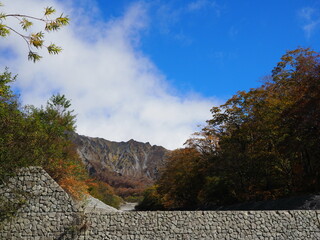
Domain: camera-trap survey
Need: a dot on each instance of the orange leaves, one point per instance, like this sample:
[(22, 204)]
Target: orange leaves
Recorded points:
[(70, 175), (76, 188), (68, 170)]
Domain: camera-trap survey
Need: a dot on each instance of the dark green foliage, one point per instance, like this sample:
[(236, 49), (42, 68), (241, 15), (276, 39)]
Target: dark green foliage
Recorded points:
[(36, 137), (14, 129), (151, 200), (134, 199), (31, 136), (104, 193)]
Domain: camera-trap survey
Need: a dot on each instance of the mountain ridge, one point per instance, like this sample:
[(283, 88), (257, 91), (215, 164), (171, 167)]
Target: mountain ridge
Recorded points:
[(124, 165)]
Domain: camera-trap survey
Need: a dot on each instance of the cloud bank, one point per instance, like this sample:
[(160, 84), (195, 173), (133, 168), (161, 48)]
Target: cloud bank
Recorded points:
[(116, 90)]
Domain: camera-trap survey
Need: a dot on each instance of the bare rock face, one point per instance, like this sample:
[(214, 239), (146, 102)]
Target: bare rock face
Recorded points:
[(129, 159)]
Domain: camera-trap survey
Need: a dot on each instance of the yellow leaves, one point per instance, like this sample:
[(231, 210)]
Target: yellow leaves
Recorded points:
[(4, 31), (53, 49), (33, 56), (49, 11), (62, 20), (25, 24), (54, 25), (180, 179), (34, 40)]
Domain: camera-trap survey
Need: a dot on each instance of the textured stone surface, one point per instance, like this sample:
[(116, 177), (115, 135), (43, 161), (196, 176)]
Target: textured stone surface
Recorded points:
[(50, 214), (132, 158), (206, 225), (46, 210)]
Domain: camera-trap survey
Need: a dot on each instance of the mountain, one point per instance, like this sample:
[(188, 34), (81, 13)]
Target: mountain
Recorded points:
[(129, 165)]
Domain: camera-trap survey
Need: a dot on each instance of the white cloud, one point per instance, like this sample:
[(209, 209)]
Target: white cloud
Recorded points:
[(117, 92), (311, 20), (196, 5), (169, 15), (204, 4), (199, 4)]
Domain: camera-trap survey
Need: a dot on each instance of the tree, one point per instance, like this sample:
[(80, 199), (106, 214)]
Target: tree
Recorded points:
[(57, 153), (12, 123), (34, 40), (31, 136), (182, 179), (261, 144), (296, 82), (269, 136)]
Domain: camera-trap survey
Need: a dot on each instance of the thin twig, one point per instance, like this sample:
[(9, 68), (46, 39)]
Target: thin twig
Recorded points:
[(25, 16), (21, 35)]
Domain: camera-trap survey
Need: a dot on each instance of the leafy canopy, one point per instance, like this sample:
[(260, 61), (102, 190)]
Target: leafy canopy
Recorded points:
[(261, 144), (31, 136)]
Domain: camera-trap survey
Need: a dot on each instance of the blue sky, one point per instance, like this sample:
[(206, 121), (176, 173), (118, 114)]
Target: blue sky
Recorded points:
[(219, 47), (151, 70)]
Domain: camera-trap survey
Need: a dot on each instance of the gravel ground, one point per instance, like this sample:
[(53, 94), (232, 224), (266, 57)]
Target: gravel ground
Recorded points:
[(91, 204), (127, 206)]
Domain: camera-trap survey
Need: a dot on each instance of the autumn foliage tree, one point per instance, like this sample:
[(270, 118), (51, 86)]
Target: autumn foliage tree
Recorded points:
[(261, 144), (184, 171)]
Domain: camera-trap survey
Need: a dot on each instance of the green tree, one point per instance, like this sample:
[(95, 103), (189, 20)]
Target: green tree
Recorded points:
[(11, 124), (56, 152), (34, 40), (31, 136)]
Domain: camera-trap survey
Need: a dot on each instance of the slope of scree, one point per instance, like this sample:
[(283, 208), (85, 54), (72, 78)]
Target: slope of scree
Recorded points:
[(128, 165)]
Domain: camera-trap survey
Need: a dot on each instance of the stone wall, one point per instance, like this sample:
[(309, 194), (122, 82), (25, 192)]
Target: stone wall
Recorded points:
[(49, 213), (41, 208), (206, 225)]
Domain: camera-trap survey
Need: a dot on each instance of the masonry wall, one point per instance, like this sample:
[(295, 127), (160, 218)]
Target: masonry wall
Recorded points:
[(49, 213), (206, 225), (41, 208)]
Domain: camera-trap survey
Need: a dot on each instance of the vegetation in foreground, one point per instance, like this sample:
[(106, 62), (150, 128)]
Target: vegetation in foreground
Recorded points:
[(261, 144), (31, 136)]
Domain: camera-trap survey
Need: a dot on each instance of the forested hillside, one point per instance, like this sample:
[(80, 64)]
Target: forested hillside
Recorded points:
[(261, 144)]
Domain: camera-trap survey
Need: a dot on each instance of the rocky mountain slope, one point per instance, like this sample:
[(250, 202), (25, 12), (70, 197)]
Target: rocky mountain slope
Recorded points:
[(130, 159)]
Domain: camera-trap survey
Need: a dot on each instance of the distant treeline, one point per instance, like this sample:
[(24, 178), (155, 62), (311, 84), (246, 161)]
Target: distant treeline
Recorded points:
[(261, 144)]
